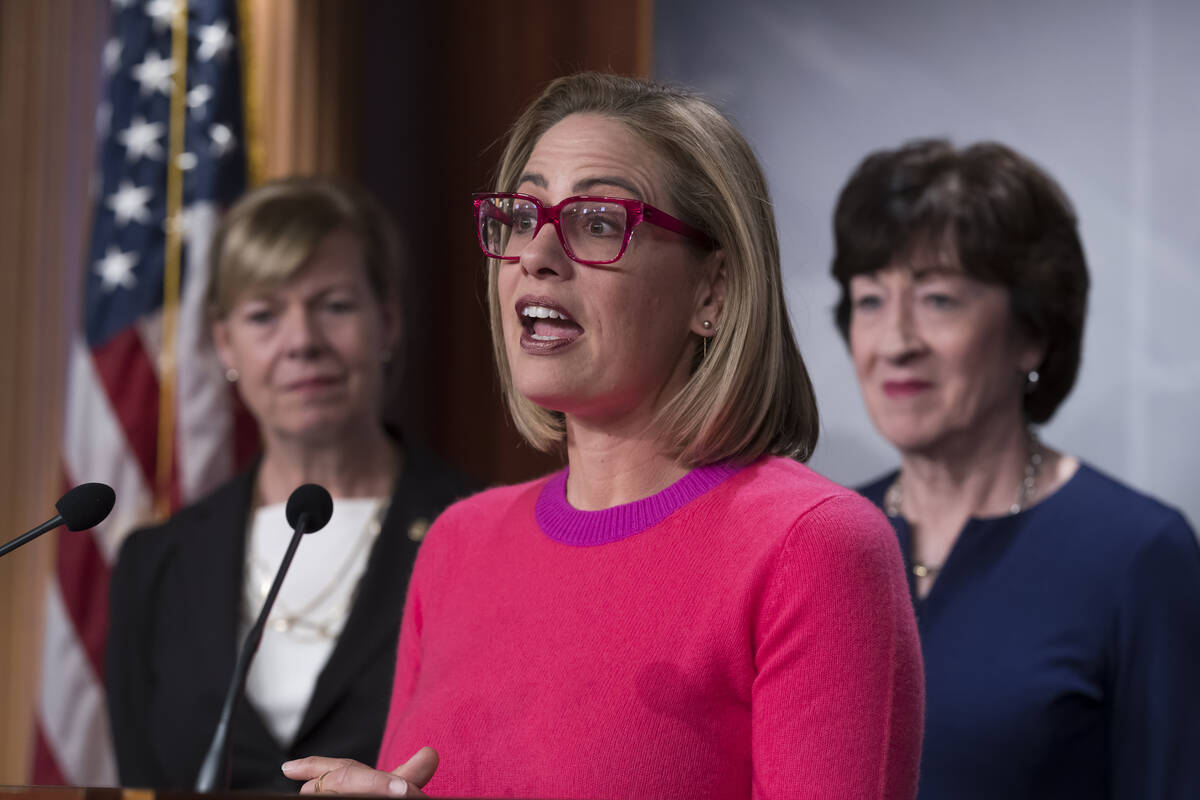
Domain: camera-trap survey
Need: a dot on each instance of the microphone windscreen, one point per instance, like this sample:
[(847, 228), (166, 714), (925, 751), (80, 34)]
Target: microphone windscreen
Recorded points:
[(86, 505), (313, 500)]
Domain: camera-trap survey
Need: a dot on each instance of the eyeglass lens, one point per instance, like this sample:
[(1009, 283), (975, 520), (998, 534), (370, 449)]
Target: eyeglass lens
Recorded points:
[(593, 230)]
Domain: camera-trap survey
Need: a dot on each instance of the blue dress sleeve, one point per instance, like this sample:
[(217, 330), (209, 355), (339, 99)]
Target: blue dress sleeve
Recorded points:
[(1155, 668)]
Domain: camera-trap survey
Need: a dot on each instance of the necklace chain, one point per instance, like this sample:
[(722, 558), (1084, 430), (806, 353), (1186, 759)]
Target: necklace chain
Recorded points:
[(283, 620), (893, 500)]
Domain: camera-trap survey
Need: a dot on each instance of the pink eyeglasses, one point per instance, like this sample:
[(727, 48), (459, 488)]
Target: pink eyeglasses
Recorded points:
[(592, 230)]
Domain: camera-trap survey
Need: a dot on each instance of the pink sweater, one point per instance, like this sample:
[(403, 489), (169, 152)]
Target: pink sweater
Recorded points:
[(743, 633)]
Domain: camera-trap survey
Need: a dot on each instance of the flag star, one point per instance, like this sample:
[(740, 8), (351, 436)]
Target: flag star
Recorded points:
[(141, 139), (120, 4), (112, 55), (162, 12), (215, 40), (186, 161), (116, 269), (198, 96), (223, 139), (129, 203), (154, 74)]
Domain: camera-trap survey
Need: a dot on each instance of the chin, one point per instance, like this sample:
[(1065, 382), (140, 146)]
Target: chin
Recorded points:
[(318, 430), (551, 398), (909, 435)]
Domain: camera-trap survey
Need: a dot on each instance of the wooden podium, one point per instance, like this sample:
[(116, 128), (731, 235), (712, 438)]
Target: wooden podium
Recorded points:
[(115, 793)]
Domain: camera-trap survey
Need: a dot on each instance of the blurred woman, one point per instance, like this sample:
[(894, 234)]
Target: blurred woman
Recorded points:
[(1059, 610), (686, 610), (304, 318)]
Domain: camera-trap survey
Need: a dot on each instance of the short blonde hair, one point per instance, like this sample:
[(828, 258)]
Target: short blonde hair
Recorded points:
[(268, 236), (751, 393)]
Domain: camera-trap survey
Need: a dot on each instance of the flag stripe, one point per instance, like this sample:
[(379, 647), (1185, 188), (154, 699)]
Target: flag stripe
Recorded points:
[(45, 766), (83, 577), (94, 449), (74, 718), (125, 372)]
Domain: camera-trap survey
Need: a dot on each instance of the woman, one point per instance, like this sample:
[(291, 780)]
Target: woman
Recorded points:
[(304, 320), (685, 611), (1059, 610)]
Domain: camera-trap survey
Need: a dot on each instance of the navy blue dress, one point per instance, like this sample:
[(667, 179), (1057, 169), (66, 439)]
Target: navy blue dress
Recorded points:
[(1062, 650)]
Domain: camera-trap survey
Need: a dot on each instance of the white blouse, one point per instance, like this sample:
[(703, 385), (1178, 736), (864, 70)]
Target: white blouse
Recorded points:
[(311, 608)]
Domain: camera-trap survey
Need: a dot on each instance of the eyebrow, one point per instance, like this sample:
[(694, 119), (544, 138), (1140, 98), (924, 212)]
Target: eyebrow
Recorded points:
[(533, 177), (929, 273), (590, 183), (583, 186)]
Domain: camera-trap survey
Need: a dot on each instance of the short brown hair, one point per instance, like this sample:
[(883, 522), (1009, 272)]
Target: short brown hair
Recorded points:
[(272, 231), (751, 394), (1005, 221)]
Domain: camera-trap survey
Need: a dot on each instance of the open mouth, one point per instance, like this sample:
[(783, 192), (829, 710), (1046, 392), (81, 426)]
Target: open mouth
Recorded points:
[(547, 326)]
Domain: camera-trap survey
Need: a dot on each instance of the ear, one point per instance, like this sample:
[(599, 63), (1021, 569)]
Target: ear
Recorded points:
[(710, 295), (223, 345), (1031, 352)]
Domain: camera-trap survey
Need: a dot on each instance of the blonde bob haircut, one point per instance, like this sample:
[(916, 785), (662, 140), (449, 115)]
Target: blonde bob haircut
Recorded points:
[(268, 236), (751, 394)]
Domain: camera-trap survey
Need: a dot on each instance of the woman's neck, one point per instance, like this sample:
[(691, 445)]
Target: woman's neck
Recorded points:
[(611, 467), (973, 476), (360, 463)]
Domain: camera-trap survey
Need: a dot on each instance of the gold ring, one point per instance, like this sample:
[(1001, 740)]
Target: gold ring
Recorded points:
[(320, 778)]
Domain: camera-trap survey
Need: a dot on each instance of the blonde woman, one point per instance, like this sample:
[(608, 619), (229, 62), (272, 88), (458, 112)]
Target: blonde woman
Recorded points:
[(304, 318), (686, 611)]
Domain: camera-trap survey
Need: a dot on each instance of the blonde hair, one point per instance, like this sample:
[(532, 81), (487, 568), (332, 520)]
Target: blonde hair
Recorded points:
[(751, 393), (269, 235)]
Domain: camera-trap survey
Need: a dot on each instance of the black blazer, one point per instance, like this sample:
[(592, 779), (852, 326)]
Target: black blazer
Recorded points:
[(174, 604)]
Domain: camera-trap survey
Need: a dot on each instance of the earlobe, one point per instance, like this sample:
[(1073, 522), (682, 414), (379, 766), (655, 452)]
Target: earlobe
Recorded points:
[(220, 338), (711, 296)]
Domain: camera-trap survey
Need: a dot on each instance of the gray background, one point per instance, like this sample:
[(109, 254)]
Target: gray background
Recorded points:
[(1102, 94)]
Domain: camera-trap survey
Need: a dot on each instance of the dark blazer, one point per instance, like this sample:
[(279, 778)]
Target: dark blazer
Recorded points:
[(174, 604)]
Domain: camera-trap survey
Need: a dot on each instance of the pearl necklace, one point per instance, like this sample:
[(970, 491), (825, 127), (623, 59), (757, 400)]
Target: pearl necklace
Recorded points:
[(894, 498)]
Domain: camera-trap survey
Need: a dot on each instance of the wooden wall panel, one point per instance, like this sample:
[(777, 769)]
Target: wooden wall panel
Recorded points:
[(49, 54)]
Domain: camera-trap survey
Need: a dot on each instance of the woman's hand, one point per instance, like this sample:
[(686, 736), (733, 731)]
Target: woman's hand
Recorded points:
[(345, 776)]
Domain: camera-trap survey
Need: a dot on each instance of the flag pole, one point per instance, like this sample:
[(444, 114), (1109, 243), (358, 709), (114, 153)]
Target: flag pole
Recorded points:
[(251, 105), (172, 267)]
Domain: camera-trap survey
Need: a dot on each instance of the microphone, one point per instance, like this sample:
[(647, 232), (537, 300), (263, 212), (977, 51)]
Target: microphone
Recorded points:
[(308, 509), (81, 508)]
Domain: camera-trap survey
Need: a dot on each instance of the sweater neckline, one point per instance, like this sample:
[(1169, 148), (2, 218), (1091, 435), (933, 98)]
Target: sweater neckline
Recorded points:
[(568, 525)]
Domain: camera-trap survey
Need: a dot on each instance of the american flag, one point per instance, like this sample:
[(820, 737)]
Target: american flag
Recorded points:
[(148, 410)]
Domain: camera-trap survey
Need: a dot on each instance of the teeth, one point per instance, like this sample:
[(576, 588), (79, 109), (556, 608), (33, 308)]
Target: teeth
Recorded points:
[(541, 312)]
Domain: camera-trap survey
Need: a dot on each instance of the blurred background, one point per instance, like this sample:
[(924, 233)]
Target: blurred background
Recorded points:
[(412, 100)]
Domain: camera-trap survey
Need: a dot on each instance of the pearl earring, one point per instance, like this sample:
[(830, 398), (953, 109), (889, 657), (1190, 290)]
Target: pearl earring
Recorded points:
[(232, 375)]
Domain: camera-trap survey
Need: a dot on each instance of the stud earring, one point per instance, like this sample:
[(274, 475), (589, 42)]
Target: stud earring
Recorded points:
[(1031, 380), (706, 324), (232, 375)]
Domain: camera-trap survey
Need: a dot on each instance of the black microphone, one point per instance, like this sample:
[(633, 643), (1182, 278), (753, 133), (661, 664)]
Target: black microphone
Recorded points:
[(308, 509), (81, 508)]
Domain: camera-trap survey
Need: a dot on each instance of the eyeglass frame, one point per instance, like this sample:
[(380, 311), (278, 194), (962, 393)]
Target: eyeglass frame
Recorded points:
[(636, 212)]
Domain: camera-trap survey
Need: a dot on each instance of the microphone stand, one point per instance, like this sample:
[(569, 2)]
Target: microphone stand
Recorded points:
[(216, 762), (48, 525)]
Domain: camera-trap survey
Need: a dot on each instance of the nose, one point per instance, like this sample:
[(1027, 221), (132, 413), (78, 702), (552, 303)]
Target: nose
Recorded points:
[(301, 334), (902, 340), (544, 256)]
